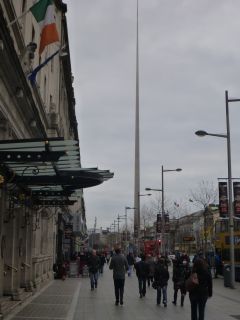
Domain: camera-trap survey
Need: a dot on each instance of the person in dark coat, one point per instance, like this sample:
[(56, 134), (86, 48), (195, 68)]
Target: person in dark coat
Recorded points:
[(151, 263), (161, 276), (130, 260), (93, 268), (102, 262), (142, 272), (200, 293), (119, 265), (181, 272)]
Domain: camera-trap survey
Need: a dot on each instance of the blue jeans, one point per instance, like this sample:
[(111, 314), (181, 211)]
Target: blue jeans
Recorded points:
[(93, 279), (130, 268), (162, 291)]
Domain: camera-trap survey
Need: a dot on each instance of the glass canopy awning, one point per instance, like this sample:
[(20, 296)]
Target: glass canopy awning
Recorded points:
[(48, 171)]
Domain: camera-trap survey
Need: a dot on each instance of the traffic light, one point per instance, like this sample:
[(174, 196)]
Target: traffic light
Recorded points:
[(159, 223)]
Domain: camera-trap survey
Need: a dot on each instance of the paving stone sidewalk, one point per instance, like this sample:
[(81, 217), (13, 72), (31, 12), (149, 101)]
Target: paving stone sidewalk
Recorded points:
[(72, 299)]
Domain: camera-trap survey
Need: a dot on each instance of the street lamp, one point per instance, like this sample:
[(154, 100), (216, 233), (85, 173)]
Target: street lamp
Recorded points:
[(160, 190), (137, 228), (163, 217), (202, 133), (114, 226), (205, 212), (163, 211)]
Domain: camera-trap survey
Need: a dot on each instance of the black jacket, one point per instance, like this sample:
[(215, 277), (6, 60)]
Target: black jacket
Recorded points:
[(93, 264), (142, 269), (204, 288), (161, 275)]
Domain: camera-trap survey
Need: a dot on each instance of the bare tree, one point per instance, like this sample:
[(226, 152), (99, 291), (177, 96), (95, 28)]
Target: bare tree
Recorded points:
[(204, 194), (148, 214)]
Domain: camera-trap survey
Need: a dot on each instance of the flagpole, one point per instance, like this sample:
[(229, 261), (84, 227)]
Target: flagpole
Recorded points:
[(15, 20), (137, 153)]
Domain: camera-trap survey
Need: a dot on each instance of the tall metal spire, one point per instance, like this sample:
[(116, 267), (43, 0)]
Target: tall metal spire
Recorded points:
[(137, 152)]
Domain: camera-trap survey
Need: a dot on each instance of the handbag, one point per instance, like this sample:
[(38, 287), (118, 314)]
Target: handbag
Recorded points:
[(192, 282), (154, 285)]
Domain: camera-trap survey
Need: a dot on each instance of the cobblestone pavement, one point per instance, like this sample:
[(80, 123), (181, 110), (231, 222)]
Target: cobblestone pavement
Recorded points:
[(72, 299)]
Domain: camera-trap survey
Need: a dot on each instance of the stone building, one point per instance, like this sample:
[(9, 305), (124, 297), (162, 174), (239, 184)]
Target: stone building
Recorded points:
[(40, 169)]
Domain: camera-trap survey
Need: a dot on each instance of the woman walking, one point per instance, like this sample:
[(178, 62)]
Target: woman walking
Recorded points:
[(199, 294), (181, 272)]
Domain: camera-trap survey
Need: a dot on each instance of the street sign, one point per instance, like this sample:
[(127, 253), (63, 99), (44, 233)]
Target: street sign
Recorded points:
[(189, 238)]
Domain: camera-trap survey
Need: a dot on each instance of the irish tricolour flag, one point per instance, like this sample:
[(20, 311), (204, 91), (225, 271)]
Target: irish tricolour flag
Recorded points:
[(43, 11)]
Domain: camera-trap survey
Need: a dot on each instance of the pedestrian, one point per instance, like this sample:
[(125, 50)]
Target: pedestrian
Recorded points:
[(199, 294), (130, 260), (108, 257), (151, 263), (93, 268), (161, 276), (137, 258), (142, 272), (78, 265), (181, 272), (102, 262), (218, 265), (63, 270), (119, 265)]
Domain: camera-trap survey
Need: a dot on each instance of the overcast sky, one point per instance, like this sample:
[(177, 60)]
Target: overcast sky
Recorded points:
[(189, 55)]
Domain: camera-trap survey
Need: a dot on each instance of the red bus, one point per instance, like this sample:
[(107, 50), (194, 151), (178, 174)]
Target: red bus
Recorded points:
[(152, 247)]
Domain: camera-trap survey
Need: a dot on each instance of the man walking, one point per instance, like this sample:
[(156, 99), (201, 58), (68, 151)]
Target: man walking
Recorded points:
[(142, 272), (161, 276), (119, 265), (93, 267), (130, 260)]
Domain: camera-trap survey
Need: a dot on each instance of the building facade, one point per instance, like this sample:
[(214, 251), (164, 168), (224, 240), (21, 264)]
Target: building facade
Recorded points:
[(37, 196)]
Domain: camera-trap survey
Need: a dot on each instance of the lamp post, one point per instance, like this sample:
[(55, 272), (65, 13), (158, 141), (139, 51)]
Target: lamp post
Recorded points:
[(205, 212), (163, 213), (111, 236), (202, 133), (137, 228), (160, 190), (163, 210), (118, 219), (114, 226)]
